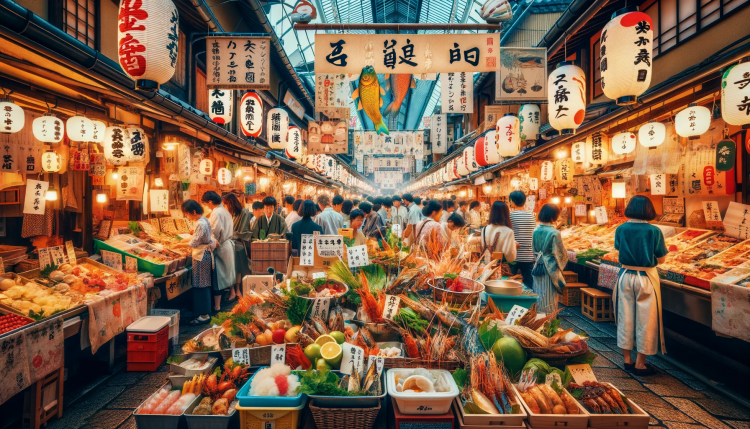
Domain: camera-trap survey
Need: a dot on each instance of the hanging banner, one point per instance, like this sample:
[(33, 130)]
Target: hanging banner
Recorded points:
[(457, 92), (406, 53), (239, 63), (658, 184), (327, 137), (522, 75), (159, 200), (130, 184), (294, 105), (331, 91), (439, 134), (35, 200)]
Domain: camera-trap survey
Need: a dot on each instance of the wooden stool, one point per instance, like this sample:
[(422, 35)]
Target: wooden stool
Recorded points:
[(570, 277), (597, 305), (571, 295), (44, 400)]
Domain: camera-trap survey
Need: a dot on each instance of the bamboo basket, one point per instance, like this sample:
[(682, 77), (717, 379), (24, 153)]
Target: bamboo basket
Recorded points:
[(336, 418), (554, 358)]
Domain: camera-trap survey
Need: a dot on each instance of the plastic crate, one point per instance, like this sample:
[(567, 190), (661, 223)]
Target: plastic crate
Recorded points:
[(434, 421), (267, 401), (147, 349), (277, 418), (143, 366)]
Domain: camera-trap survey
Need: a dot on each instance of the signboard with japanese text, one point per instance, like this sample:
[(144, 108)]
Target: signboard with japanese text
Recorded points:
[(241, 356), (35, 200), (737, 220), (330, 246), (130, 184), (57, 255), (257, 283), (601, 215), (112, 259), (391, 306), (522, 75), (238, 63), (320, 307), (307, 250), (352, 359), (658, 184), (331, 90), (159, 200), (327, 137), (71, 251), (457, 92), (711, 211), (358, 256), (44, 258), (439, 134), (406, 53)]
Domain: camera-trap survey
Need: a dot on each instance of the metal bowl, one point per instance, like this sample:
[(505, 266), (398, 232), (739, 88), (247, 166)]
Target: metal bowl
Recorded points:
[(504, 287), (472, 289)]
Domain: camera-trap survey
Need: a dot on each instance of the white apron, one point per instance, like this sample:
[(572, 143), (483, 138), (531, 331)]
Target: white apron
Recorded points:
[(653, 276)]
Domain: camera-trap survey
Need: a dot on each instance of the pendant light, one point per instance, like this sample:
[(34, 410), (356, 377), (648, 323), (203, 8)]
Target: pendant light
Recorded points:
[(51, 162), (224, 176), (547, 171), (51, 194), (13, 116), (48, 129), (469, 161), (578, 152), (220, 105), (508, 135), (485, 150), (278, 125), (115, 141), (98, 128), (652, 134), (251, 114), (206, 167), (623, 143), (735, 94), (597, 148), (618, 190), (692, 121), (566, 96), (529, 116), (79, 128), (294, 144), (101, 196)]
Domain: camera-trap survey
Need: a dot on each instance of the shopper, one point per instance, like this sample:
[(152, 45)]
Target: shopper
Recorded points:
[(385, 211), (241, 241), (356, 219), (475, 218), (329, 219), (346, 207), (523, 227), (551, 258), (463, 210), (373, 226), (428, 232), (413, 217), (398, 212), (448, 208), (306, 225), (498, 235), (257, 211), (293, 216), (222, 229), (288, 206), (337, 202), (269, 222), (202, 244), (637, 296)]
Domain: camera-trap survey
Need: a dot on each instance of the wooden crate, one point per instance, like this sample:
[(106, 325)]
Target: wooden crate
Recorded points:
[(571, 295), (639, 420), (570, 277), (597, 305), (44, 400), (270, 250), (260, 267), (554, 421)]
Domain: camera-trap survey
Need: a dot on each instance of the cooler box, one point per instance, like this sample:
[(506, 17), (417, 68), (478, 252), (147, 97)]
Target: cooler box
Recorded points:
[(174, 323), (148, 341)]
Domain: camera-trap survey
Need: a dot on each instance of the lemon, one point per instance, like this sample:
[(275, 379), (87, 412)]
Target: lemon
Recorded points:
[(323, 339), (322, 365), (332, 353), (338, 336)]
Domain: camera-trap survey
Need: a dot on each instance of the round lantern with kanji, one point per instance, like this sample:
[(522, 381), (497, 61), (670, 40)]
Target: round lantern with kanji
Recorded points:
[(148, 41), (485, 149), (224, 176), (597, 148), (136, 145), (735, 94), (48, 129), (626, 44), (578, 152), (278, 125), (251, 114), (220, 105), (564, 169), (529, 117), (508, 135), (566, 95), (652, 134), (469, 161), (116, 145), (97, 131), (79, 128), (12, 115), (692, 121), (51, 162), (206, 167), (623, 143), (294, 144)]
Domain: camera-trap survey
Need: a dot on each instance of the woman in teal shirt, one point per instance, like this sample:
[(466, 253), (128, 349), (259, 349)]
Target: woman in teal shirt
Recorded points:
[(551, 258), (637, 295)]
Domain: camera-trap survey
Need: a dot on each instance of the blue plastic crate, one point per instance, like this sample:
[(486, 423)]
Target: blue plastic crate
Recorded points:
[(267, 401)]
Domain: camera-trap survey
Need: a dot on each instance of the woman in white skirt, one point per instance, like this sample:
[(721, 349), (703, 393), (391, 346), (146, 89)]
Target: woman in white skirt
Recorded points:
[(551, 258)]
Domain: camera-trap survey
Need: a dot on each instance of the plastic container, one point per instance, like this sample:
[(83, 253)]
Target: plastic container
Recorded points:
[(174, 323), (149, 324), (162, 421), (179, 370), (209, 422), (147, 343), (267, 401), (505, 303), (421, 403), (350, 401), (262, 418)]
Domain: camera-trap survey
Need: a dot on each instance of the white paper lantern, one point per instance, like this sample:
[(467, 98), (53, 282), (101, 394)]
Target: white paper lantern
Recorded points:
[(251, 114), (623, 143), (735, 94), (597, 148), (566, 95), (116, 145), (459, 168), (469, 161), (224, 176), (12, 116), (485, 150), (294, 144), (618, 190), (79, 128), (48, 129), (578, 152), (278, 125), (530, 118), (148, 38), (97, 131), (547, 171), (220, 105), (206, 167), (564, 169), (136, 147), (51, 162), (692, 121), (625, 64), (508, 135), (652, 134)]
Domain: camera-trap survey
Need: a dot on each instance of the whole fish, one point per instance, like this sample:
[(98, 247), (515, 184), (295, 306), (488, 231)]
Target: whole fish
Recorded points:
[(399, 85), (370, 100)]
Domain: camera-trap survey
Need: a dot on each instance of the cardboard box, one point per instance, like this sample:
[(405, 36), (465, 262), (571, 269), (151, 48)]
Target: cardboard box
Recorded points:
[(309, 271)]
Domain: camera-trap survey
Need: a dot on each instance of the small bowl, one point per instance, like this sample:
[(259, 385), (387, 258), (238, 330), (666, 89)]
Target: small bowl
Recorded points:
[(503, 287)]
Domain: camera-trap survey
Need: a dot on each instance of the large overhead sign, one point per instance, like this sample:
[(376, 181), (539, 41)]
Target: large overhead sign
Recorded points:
[(407, 53), (238, 63)]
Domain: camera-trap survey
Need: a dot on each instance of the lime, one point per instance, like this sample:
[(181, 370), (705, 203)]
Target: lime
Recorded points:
[(325, 339), (312, 352), (321, 365), (332, 353), (338, 336), (510, 352)]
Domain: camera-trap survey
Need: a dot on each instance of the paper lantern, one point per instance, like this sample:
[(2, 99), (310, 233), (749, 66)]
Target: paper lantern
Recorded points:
[(578, 152), (97, 131), (79, 128), (533, 183), (625, 64), (206, 167), (597, 148), (566, 96), (652, 134), (136, 146), (12, 116), (618, 190), (529, 116), (251, 114), (735, 94), (692, 121), (294, 144), (220, 105), (459, 167), (48, 129), (486, 150), (564, 171), (547, 171), (224, 176), (148, 41), (278, 125), (495, 11), (623, 143), (115, 139), (726, 155), (508, 135), (469, 161), (51, 162)]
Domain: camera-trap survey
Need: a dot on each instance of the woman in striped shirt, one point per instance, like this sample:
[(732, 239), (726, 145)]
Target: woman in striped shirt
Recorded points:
[(524, 223)]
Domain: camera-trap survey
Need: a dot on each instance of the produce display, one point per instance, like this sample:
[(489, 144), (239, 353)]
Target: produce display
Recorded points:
[(9, 322)]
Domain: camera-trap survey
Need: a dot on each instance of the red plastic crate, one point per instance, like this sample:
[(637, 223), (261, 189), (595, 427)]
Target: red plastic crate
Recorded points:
[(143, 366), (146, 351), (426, 421)]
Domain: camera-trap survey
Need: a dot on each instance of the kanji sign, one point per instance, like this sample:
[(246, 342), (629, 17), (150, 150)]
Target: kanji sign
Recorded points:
[(238, 62)]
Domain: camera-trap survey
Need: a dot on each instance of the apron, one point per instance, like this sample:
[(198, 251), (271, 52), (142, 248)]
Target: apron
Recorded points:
[(224, 265), (652, 275)]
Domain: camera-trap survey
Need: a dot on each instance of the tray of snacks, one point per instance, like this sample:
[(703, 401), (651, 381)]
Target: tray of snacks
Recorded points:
[(733, 256), (704, 249), (607, 407), (686, 239)]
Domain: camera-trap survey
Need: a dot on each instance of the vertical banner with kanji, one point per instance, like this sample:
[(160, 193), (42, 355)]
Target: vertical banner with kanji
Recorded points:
[(439, 134), (457, 92), (238, 62)]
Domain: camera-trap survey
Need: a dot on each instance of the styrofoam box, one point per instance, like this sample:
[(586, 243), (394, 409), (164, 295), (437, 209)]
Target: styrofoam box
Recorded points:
[(148, 324), (174, 315), (421, 403)]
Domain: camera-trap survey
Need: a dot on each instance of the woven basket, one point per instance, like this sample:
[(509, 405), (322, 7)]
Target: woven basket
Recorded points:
[(450, 365), (336, 418), (27, 265), (553, 358)]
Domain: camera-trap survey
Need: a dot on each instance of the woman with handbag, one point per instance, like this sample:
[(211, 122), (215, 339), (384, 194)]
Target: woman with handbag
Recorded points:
[(430, 226), (551, 258), (241, 241), (498, 235), (637, 295)]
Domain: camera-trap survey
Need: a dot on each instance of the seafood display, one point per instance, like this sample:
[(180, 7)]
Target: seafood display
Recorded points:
[(276, 380), (167, 401), (219, 392), (600, 398), (543, 399)]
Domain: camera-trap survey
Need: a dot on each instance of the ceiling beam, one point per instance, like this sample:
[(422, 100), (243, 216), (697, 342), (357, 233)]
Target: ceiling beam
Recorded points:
[(397, 26)]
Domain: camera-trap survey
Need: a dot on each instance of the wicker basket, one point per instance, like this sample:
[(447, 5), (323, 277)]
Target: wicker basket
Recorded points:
[(571, 294), (470, 297), (336, 418), (554, 358), (450, 365)]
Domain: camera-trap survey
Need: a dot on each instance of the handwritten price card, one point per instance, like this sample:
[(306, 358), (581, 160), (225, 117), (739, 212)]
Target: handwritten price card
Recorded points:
[(57, 255), (582, 372), (112, 259), (307, 250), (358, 256), (320, 308), (353, 359), (257, 284), (71, 252), (131, 264), (241, 356), (601, 215), (391, 306), (44, 258), (580, 209), (515, 313), (278, 353), (330, 246)]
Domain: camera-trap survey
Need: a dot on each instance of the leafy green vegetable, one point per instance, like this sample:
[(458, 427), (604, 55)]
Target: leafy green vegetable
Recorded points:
[(376, 277), (576, 393), (488, 335), (319, 282), (220, 318), (44, 272), (452, 276), (320, 383), (349, 241), (550, 328), (134, 228), (542, 368), (461, 377), (297, 309), (409, 318), (298, 288)]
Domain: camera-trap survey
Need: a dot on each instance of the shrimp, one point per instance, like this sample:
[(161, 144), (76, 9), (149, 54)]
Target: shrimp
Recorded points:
[(369, 304), (417, 306)]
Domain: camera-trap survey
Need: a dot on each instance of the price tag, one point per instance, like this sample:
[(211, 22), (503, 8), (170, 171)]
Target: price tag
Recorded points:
[(241, 356), (57, 255), (330, 246), (44, 258), (307, 250), (391, 306), (257, 284), (320, 275), (601, 215), (353, 358), (320, 308), (71, 252), (580, 209), (379, 362), (582, 372), (711, 211), (278, 353), (515, 313), (358, 256), (131, 264), (112, 259), (553, 378), (2, 266)]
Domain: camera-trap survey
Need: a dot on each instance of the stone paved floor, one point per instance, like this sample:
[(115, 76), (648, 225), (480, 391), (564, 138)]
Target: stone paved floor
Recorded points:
[(673, 398)]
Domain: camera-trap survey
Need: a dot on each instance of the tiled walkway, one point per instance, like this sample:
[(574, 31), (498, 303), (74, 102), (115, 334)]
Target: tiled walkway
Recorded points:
[(674, 398)]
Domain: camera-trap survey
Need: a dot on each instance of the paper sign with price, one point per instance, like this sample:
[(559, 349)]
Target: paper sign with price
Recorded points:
[(278, 353), (112, 259), (44, 258), (257, 284), (711, 211), (330, 246), (307, 250), (241, 356), (515, 313), (131, 265), (601, 215), (358, 256), (582, 372), (354, 357), (580, 209), (379, 362), (71, 252), (391, 306), (320, 308)]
